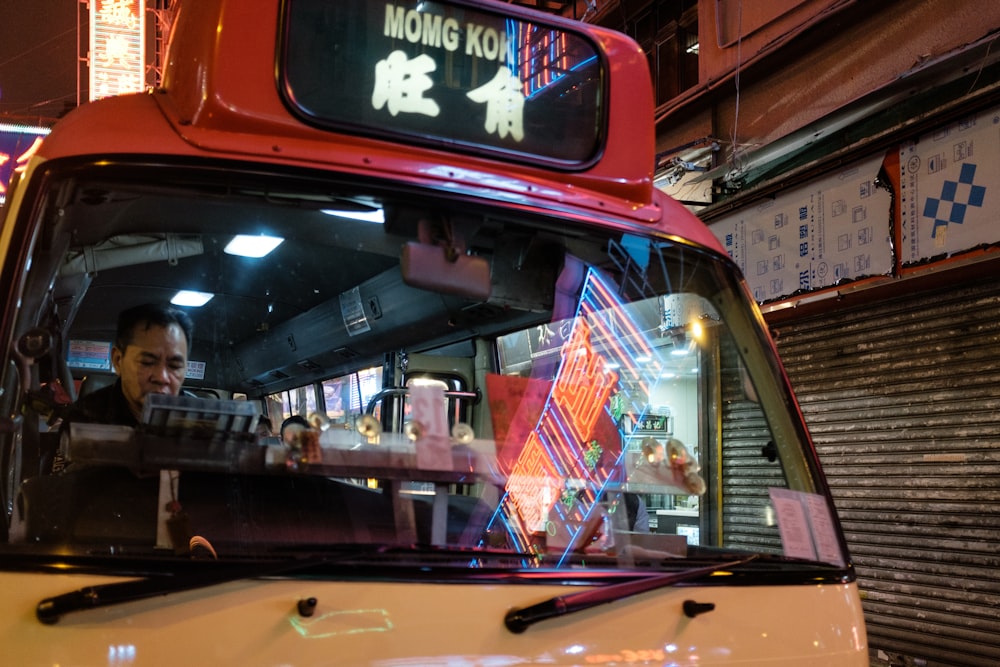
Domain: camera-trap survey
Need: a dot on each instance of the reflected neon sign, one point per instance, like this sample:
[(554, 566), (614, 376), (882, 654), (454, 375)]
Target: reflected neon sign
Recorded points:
[(602, 343), (554, 450), (17, 144)]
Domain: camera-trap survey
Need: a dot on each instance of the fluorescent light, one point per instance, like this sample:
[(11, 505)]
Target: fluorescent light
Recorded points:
[(191, 298), (246, 245), (23, 129), (375, 215)]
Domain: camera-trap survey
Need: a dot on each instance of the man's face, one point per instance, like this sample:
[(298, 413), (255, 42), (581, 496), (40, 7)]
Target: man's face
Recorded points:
[(155, 362), (291, 433)]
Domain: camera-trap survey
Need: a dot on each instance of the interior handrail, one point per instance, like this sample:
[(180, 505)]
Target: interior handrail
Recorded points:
[(403, 391)]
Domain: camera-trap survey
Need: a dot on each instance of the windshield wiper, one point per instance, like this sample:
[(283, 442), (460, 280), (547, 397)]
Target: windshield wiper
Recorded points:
[(50, 610), (518, 620)]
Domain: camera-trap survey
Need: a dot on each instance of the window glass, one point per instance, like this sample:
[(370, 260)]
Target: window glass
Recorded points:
[(347, 396), (600, 393)]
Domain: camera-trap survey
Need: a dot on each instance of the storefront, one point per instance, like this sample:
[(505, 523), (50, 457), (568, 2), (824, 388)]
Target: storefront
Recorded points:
[(879, 276), (902, 397)]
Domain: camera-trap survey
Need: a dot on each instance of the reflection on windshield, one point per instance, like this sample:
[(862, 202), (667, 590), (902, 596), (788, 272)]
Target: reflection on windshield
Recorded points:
[(599, 374), (609, 404)]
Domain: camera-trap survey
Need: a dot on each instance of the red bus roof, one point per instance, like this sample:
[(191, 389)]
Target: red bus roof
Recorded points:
[(221, 96)]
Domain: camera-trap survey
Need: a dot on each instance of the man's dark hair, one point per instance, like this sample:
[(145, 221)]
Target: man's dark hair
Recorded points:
[(151, 314), (294, 420)]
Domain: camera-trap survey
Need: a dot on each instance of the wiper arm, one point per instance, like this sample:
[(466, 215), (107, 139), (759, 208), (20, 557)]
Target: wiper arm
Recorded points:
[(50, 610), (518, 620)]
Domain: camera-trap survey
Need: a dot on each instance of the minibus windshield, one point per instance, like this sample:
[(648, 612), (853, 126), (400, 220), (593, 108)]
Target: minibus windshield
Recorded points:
[(552, 393)]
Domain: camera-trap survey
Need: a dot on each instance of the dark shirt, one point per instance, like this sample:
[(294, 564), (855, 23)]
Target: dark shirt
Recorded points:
[(104, 406)]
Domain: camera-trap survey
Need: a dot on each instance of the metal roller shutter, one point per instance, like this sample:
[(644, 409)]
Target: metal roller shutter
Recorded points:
[(902, 398), (746, 473)]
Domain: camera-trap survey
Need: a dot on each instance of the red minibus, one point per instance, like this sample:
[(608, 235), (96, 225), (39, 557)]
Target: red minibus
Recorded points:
[(542, 420)]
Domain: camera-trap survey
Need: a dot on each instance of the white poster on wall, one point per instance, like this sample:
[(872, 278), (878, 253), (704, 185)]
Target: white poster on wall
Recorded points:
[(817, 235), (944, 189)]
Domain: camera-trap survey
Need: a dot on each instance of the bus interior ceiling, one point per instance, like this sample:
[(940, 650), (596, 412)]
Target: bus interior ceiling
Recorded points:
[(278, 321)]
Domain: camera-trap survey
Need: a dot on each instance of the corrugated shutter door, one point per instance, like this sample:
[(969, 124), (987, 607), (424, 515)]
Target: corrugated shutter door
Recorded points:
[(902, 398), (746, 471)]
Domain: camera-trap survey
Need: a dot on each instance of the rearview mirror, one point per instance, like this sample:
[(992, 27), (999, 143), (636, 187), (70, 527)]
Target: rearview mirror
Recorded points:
[(430, 267)]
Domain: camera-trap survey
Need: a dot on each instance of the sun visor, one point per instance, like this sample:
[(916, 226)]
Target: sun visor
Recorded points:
[(129, 250)]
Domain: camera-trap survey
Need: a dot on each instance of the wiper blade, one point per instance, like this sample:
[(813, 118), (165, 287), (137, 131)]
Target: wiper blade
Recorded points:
[(518, 620), (50, 610), (460, 552), (433, 551)]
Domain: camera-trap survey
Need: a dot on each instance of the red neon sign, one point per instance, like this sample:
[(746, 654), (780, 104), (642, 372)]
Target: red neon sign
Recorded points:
[(17, 144), (567, 440)]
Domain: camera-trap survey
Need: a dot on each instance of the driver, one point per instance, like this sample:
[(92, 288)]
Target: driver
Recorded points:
[(149, 356)]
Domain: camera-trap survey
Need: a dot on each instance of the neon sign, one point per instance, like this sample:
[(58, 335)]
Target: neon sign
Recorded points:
[(602, 343), (17, 144), (117, 47), (542, 58)]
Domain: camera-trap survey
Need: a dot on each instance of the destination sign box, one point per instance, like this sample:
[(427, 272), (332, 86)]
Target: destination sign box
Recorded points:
[(445, 73)]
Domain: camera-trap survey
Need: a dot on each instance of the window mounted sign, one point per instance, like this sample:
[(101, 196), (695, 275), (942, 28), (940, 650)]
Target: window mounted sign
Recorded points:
[(445, 73), (195, 370), (89, 354)]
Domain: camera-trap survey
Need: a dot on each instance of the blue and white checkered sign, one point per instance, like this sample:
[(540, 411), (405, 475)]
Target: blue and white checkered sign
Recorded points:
[(956, 198)]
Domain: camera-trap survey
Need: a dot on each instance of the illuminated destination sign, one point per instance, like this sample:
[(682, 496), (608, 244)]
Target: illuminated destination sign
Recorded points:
[(117, 47), (446, 74)]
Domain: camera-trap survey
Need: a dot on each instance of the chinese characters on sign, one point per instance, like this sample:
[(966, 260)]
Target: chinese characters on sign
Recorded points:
[(578, 396), (806, 526), (117, 47), (812, 237), (403, 85), (841, 228), (431, 72), (566, 441)]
